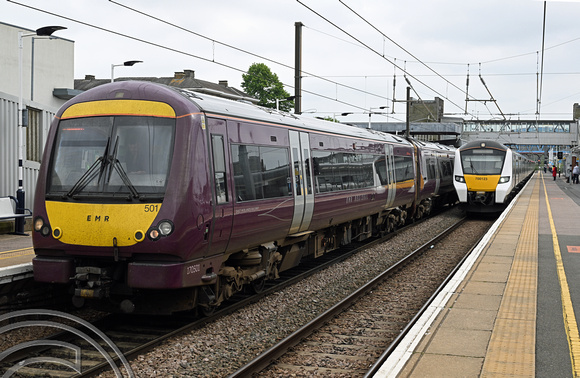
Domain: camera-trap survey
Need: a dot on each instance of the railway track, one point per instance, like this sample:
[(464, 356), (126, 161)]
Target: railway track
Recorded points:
[(348, 339), (134, 336)]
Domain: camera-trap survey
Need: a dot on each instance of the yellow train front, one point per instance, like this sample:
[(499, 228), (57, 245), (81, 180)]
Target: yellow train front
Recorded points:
[(488, 175)]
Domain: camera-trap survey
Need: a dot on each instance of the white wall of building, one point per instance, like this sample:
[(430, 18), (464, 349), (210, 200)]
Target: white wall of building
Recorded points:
[(53, 67)]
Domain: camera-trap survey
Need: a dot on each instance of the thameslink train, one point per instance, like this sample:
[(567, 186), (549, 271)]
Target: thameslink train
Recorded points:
[(152, 199), (487, 175)]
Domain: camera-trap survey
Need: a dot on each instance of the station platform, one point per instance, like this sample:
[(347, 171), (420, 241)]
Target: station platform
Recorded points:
[(510, 309), (16, 255)]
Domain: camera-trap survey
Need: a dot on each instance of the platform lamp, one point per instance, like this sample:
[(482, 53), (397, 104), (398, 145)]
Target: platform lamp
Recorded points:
[(128, 63), (45, 31)]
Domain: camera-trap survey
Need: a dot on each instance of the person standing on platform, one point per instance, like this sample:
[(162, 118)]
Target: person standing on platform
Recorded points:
[(554, 172), (575, 173)]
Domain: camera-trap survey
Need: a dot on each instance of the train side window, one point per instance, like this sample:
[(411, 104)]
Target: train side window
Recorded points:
[(308, 178), (219, 165), (335, 171), (260, 172), (381, 169), (447, 169), (404, 168), (431, 172)]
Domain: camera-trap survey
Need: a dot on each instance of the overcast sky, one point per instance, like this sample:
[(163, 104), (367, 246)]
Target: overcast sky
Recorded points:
[(436, 42)]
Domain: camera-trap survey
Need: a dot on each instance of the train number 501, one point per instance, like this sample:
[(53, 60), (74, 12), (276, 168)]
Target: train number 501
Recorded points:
[(151, 208)]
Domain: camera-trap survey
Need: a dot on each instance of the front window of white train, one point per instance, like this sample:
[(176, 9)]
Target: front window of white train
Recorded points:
[(124, 156), (482, 161)]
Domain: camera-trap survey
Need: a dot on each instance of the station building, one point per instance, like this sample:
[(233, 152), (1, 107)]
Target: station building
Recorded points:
[(47, 83)]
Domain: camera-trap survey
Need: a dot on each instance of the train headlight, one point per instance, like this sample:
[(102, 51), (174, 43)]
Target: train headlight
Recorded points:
[(154, 234), (165, 227), (459, 178), (41, 226), (38, 223), (504, 179)]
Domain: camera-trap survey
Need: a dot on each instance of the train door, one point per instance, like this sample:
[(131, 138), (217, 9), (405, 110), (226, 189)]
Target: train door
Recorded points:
[(437, 173), (433, 171), (302, 177), (391, 188), (218, 232)]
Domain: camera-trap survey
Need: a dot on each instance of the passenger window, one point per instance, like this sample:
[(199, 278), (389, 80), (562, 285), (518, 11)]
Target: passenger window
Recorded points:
[(219, 166), (260, 172), (343, 170), (404, 169)]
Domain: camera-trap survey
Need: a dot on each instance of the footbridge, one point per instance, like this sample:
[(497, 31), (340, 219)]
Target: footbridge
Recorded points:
[(533, 138)]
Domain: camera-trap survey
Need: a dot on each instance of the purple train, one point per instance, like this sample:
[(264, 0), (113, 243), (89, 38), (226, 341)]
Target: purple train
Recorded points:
[(152, 199)]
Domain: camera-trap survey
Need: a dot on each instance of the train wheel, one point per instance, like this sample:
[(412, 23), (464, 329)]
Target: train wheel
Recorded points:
[(207, 310), (258, 285)]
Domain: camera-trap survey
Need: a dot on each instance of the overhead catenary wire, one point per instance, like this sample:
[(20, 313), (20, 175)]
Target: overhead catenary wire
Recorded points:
[(542, 64), (376, 52), (540, 80), (178, 51), (398, 45), (214, 41), (422, 63), (227, 64)]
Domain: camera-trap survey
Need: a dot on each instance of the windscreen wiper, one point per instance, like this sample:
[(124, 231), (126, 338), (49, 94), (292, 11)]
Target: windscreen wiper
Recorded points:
[(100, 167), (94, 170), (116, 164), (473, 170)]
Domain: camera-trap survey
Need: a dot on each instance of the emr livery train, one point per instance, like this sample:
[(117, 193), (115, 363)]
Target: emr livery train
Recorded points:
[(488, 175), (154, 199)]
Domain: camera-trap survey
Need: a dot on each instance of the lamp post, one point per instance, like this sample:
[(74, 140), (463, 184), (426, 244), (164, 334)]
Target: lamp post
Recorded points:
[(45, 31), (371, 113), (126, 64)]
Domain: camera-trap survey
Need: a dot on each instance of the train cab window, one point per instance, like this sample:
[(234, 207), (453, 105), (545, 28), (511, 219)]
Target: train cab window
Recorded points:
[(482, 161), (260, 172), (112, 156), (219, 167)]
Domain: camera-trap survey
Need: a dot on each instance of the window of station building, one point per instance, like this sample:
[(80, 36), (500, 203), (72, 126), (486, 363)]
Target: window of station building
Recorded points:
[(335, 171), (34, 143), (260, 172)]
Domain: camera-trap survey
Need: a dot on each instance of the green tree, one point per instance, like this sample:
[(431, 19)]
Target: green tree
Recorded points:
[(264, 85)]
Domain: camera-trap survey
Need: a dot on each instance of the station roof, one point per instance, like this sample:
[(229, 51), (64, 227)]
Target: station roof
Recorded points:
[(183, 80)]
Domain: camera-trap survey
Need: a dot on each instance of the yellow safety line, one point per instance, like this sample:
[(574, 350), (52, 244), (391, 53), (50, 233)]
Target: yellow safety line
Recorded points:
[(570, 323), (11, 257), (15, 250), (510, 351), (15, 253)]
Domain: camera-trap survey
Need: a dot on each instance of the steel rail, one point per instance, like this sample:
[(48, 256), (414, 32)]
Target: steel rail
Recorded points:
[(265, 359)]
